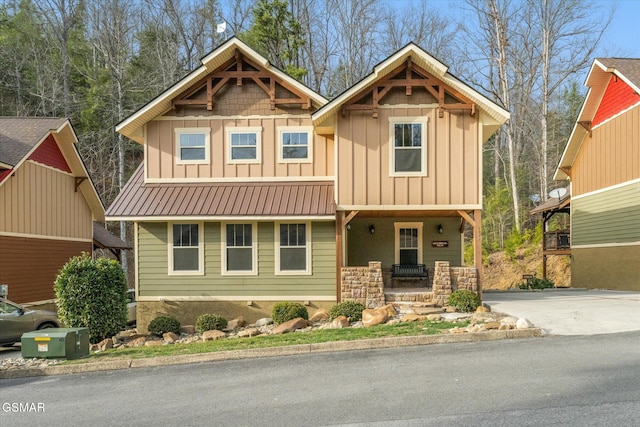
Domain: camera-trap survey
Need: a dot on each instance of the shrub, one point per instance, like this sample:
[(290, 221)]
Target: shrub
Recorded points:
[(285, 311), (537, 283), (92, 294), (163, 324), (463, 300), (350, 309), (209, 322)]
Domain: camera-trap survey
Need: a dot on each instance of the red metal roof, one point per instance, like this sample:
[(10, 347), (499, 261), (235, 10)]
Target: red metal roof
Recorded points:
[(222, 199)]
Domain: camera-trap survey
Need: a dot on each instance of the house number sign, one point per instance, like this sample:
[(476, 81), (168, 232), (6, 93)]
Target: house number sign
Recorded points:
[(440, 243)]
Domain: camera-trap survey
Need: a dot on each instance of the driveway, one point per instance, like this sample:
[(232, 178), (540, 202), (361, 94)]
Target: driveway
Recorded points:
[(571, 311)]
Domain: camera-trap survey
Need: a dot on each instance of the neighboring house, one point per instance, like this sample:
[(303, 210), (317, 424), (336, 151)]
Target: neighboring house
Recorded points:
[(47, 205), (602, 161), (255, 189)]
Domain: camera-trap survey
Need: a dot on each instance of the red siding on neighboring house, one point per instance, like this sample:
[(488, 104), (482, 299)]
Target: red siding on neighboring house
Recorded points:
[(49, 154), (618, 97)]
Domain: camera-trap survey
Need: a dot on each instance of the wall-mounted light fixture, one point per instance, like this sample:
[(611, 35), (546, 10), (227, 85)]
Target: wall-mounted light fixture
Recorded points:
[(440, 229), (372, 229), (348, 226)]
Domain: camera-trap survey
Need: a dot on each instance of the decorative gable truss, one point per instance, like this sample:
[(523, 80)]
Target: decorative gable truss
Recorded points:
[(409, 76), (241, 69)]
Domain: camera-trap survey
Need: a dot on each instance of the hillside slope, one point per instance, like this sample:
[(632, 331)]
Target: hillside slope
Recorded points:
[(503, 273)]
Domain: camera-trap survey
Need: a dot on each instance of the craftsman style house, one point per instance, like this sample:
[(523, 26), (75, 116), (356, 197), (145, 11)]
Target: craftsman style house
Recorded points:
[(47, 205), (602, 162), (255, 189)]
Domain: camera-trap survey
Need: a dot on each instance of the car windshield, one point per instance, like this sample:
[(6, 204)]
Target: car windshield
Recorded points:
[(8, 308)]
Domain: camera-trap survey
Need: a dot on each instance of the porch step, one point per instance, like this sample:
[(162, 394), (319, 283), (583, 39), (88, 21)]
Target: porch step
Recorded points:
[(413, 309)]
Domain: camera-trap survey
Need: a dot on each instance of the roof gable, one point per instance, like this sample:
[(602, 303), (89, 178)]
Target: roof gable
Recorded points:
[(417, 64), (231, 62), (48, 153), (614, 86)]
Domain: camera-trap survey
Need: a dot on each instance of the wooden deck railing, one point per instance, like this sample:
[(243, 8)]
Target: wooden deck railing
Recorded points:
[(556, 240)]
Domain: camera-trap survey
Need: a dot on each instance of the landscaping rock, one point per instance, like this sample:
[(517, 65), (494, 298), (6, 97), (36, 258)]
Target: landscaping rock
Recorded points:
[(482, 309), (390, 309), (375, 316), (264, 321), (319, 316), (105, 344), (213, 335), (152, 343), (236, 324), (505, 327), (291, 325), (394, 322), (412, 318), (524, 324), (188, 329), (170, 337), (509, 320), (138, 342), (340, 322), (249, 332), (492, 325), (434, 317)]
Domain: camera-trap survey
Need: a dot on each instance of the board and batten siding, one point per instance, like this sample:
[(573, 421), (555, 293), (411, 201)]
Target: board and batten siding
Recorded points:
[(161, 150), (607, 217), (452, 160), (153, 280), (610, 156), (41, 201)]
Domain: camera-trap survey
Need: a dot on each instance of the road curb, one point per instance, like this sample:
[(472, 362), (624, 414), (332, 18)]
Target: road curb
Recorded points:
[(327, 347)]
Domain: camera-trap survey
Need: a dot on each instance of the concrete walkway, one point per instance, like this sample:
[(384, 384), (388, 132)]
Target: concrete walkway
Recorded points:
[(571, 311)]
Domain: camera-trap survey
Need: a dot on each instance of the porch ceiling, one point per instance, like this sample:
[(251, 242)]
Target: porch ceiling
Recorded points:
[(407, 214)]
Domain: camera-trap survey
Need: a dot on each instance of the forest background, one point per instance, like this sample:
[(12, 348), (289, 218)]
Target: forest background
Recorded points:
[(97, 62)]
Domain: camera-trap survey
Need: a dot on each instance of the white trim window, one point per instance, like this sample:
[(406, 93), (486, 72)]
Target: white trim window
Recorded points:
[(239, 254), (408, 141), (293, 248), (295, 144), (186, 252), (244, 144), (408, 242), (192, 145)]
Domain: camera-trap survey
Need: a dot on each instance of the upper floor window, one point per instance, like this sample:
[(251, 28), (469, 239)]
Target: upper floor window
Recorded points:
[(192, 145), (244, 144), (296, 144), (408, 146), (186, 255)]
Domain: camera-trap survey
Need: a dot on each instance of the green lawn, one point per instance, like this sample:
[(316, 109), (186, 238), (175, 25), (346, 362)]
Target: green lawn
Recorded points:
[(293, 338)]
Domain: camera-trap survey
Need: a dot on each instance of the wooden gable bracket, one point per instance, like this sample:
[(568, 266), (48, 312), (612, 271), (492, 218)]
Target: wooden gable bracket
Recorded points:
[(259, 76), (587, 126), (79, 180)]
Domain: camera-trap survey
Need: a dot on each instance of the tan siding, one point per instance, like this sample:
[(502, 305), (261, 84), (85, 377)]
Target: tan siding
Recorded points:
[(41, 201), (452, 160), (610, 156), (18, 256)]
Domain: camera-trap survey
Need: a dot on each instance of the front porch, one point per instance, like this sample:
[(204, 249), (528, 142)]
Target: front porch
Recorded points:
[(367, 285)]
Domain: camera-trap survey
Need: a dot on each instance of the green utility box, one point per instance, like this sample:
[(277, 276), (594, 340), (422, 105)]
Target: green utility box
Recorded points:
[(56, 343)]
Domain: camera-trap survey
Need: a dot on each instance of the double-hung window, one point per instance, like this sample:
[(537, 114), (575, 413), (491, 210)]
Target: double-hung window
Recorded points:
[(296, 144), (408, 243), (293, 248), (239, 251), (244, 144), (186, 254), (192, 145), (408, 146)]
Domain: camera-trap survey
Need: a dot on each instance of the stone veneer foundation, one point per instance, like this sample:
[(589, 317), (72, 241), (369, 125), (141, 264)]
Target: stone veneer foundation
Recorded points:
[(365, 285)]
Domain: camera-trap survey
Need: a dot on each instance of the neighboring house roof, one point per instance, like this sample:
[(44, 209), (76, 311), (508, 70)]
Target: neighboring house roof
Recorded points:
[(105, 239), (132, 126), (600, 74), (553, 203), (140, 200), (29, 138), (494, 115)]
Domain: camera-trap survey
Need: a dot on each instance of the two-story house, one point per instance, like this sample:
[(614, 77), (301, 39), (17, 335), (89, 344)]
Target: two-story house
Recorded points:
[(602, 162), (255, 189)]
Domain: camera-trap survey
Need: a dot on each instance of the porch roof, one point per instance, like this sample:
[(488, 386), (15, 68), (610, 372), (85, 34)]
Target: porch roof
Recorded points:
[(210, 200)]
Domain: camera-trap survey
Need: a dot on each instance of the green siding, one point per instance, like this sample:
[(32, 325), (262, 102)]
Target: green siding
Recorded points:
[(362, 246), (154, 280), (611, 216)]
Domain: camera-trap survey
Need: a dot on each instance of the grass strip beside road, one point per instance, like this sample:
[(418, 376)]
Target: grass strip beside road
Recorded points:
[(265, 341)]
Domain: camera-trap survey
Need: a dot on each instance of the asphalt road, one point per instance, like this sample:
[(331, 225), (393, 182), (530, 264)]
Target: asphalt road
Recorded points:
[(557, 380)]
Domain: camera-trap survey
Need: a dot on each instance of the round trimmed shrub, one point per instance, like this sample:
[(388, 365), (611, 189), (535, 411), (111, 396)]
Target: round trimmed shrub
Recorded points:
[(464, 300), (209, 322), (163, 324), (351, 309), (92, 294), (285, 311)]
